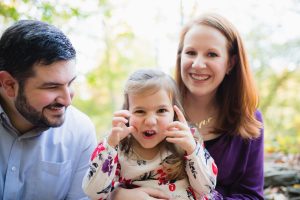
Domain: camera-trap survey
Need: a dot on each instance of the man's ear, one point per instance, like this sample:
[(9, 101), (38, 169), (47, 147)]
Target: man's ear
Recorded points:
[(8, 84)]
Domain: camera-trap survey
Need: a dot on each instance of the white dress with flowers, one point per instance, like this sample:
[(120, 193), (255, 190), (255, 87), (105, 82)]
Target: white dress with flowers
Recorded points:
[(110, 167)]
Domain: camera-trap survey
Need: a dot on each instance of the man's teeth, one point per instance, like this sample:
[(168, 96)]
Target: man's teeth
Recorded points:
[(200, 77)]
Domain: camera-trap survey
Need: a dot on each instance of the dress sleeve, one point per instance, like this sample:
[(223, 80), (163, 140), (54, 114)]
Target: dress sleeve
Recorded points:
[(201, 170), (100, 179)]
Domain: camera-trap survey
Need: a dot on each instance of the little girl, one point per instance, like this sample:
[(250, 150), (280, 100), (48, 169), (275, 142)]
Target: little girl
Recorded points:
[(151, 145)]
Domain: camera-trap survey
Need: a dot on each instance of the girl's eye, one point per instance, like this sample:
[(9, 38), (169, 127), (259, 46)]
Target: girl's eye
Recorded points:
[(162, 110), (211, 54), (139, 111)]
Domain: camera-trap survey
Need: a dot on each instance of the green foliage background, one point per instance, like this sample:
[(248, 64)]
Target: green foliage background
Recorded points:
[(124, 52)]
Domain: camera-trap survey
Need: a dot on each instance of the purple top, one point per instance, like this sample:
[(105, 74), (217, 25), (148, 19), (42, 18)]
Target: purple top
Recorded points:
[(240, 164)]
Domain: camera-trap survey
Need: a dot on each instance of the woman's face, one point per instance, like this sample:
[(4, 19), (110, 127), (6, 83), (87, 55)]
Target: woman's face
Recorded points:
[(204, 60)]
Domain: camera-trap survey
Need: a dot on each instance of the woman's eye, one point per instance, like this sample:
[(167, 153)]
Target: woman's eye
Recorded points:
[(191, 53)]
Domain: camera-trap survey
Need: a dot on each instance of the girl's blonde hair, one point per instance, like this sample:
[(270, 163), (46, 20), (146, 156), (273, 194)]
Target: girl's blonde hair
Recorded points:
[(149, 81), (237, 95)]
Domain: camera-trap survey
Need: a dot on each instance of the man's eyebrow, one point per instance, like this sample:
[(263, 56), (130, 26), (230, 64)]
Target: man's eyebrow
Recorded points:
[(72, 80), (50, 83)]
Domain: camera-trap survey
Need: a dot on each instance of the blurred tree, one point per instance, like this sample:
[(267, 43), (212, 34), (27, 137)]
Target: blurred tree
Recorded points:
[(277, 72), (121, 54), (49, 11)]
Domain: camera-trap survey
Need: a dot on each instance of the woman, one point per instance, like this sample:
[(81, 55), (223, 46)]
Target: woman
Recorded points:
[(219, 97)]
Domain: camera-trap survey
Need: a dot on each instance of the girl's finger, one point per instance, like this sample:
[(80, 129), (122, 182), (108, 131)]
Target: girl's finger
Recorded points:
[(180, 115), (177, 125), (176, 140), (122, 113), (117, 120), (132, 129), (116, 130), (175, 134), (155, 193)]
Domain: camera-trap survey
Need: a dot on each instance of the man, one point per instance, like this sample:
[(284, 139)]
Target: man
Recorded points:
[(45, 144)]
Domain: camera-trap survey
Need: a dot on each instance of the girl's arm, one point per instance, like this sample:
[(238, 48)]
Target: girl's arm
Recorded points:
[(200, 166), (201, 170), (101, 177)]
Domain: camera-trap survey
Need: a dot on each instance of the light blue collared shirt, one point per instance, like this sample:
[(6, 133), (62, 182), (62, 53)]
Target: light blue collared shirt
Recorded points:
[(46, 164)]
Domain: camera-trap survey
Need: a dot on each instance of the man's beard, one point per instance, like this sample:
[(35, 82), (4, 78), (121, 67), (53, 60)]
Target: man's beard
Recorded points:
[(35, 117)]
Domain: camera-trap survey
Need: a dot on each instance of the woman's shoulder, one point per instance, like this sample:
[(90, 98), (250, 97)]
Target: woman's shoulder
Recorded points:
[(258, 115)]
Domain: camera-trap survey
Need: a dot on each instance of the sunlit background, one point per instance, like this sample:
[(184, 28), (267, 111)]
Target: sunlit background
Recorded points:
[(115, 37)]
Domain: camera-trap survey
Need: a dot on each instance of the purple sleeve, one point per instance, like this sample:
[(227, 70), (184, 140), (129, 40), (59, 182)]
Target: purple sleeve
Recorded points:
[(240, 165), (250, 184)]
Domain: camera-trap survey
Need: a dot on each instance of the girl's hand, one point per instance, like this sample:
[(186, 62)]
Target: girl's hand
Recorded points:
[(141, 193), (119, 128), (178, 132)]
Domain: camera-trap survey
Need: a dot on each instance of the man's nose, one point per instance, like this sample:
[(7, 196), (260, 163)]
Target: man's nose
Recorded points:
[(66, 96)]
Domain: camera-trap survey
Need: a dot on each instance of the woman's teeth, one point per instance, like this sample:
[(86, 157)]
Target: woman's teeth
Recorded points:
[(200, 77)]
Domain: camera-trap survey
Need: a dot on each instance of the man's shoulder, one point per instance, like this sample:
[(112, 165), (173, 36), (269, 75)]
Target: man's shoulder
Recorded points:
[(77, 126), (77, 121), (74, 114)]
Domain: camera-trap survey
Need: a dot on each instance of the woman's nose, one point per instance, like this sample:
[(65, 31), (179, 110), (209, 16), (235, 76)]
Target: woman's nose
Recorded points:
[(199, 62)]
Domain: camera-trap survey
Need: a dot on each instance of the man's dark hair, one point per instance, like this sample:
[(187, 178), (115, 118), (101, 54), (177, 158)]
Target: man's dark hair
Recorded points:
[(30, 42)]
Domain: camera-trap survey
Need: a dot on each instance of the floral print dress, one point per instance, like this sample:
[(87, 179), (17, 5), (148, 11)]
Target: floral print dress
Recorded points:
[(110, 167)]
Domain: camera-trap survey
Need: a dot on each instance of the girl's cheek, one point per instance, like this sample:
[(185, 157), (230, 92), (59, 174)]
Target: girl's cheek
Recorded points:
[(165, 123), (133, 121)]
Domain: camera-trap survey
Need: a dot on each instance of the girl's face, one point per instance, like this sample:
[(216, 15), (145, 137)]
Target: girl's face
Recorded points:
[(204, 60), (150, 115)]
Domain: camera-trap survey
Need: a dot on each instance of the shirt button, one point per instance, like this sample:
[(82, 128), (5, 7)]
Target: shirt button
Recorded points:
[(13, 168)]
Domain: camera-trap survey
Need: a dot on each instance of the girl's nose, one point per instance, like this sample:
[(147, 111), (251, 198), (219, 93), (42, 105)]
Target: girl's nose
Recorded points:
[(150, 120)]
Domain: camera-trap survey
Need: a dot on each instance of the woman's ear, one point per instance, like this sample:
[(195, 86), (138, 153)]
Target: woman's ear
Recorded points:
[(8, 84), (232, 63)]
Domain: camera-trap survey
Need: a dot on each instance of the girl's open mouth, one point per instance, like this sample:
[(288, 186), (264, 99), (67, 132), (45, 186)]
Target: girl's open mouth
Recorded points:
[(149, 133)]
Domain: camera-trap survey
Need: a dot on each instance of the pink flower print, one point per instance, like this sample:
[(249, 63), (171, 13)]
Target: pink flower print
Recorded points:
[(172, 187), (97, 151), (214, 168), (161, 177), (116, 160), (191, 193)]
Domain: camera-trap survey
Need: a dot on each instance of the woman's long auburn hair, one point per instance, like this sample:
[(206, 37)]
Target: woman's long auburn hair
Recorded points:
[(149, 81), (237, 95)]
